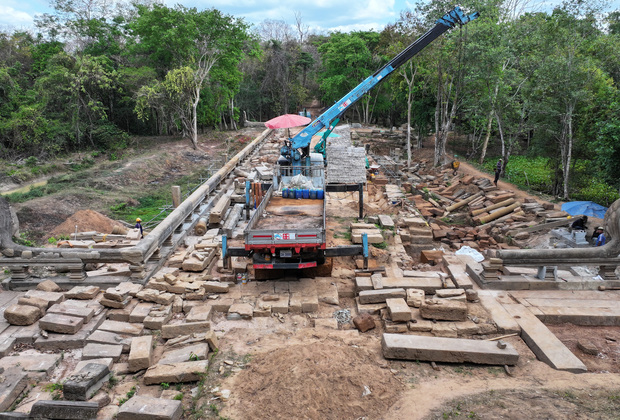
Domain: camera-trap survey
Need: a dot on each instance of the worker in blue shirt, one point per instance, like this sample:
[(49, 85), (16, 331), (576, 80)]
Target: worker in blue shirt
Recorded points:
[(600, 239)]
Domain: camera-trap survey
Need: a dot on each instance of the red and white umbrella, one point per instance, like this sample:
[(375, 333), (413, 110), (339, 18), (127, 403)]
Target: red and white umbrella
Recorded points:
[(287, 121)]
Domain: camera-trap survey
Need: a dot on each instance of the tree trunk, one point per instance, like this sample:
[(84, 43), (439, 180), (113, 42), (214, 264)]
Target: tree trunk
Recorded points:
[(567, 146), (409, 129), (194, 133), (489, 125)]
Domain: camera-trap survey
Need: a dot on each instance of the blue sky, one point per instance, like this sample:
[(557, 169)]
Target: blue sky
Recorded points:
[(320, 15)]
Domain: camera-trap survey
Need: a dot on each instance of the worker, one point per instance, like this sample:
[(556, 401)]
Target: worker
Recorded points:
[(580, 224), (139, 226), (498, 170), (600, 239), (455, 165)]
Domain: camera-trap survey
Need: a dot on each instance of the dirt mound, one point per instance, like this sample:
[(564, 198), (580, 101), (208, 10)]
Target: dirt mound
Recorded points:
[(315, 381), (86, 220)]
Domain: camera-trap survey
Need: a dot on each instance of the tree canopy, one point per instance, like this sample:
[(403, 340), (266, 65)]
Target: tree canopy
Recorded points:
[(538, 85)]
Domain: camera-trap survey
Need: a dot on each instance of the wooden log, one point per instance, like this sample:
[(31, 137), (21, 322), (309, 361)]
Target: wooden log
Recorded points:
[(493, 207), (463, 202), (500, 213)]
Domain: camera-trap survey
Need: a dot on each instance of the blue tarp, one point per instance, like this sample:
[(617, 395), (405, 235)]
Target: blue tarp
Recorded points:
[(587, 208)]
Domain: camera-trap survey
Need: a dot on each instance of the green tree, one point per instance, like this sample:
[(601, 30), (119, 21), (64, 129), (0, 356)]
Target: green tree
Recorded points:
[(179, 41)]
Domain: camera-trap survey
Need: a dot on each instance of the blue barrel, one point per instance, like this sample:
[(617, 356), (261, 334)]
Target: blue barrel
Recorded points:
[(313, 194), (298, 193), (305, 193), (319, 194), (284, 192)]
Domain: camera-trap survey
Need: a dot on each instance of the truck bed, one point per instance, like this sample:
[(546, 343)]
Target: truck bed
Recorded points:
[(288, 213)]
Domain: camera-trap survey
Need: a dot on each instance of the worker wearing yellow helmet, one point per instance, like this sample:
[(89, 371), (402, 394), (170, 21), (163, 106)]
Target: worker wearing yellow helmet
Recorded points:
[(139, 226)]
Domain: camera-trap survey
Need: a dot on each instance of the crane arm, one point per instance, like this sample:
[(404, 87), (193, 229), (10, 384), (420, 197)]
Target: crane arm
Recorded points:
[(303, 138)]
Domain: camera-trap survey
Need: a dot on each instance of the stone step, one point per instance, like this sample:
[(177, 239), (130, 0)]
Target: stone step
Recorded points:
[(545, 345), (450, 350)]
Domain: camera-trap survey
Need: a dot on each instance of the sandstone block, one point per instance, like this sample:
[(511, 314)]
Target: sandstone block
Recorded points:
[(176, 372), (377, 281), (363, 283), (216, 287), (186, 354), (446, 310), (33, 301), (148, 408), (150, 295), (415, 297), (62, 324), (450, 350), (102, 351), (309, 304), (122, 327), (48, 286), (245, 310), (71, 310), (83, 292), (398, 310), (211, 339), (50, 297), (141, 353), (222, 305), (140, 312), (199, 313), (379, 296), (171, 331)]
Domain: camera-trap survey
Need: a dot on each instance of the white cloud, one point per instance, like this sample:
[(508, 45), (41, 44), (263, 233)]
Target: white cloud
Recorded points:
[(12, 17), (375, 9)]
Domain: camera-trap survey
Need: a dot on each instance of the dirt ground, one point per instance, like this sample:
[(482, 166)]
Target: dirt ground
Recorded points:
[(150, 164)]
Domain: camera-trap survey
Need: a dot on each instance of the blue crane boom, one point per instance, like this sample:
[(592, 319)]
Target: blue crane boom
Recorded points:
[(296, 151)]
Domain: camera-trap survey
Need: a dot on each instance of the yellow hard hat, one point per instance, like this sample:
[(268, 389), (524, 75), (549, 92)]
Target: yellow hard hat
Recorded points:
[(138, 220)]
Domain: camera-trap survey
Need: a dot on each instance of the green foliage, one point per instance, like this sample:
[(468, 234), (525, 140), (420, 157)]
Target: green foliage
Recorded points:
[(23, 240), (112, 381), (55, 389), (596, 191), (381, 245), (178, 397), (164, 385), (526, 172)]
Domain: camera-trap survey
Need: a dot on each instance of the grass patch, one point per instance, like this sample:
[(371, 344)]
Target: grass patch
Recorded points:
[(381, 245)]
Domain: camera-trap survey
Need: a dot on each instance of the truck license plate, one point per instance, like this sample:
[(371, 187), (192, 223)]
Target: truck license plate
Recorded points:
[(286, 253)]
